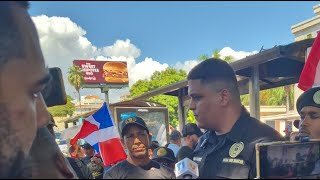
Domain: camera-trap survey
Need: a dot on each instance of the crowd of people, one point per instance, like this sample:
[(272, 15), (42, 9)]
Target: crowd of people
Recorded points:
[(225, 150)]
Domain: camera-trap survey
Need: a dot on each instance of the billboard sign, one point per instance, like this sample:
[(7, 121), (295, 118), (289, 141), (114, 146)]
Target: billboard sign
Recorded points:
[(103, 72)]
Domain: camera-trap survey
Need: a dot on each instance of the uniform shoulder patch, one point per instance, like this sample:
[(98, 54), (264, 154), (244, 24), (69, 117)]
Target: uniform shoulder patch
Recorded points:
[(236, 149)]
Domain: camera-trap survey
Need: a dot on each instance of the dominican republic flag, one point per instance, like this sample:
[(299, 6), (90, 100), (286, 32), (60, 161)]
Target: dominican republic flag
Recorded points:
[(100, 132), (310, 76)]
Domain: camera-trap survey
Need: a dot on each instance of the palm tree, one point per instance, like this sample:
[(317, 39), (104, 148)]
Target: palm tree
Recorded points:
[(215, 54), (228, 59), (203, 57), (76, 79)]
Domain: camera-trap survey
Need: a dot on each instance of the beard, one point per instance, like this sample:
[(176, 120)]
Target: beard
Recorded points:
[(13, 162)]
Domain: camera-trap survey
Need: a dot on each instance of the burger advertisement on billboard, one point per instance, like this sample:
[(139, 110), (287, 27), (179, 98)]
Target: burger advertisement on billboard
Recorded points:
[(103, 72)]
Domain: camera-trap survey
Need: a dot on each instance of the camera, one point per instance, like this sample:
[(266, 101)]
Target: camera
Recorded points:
[(288, 160), (54, 93)]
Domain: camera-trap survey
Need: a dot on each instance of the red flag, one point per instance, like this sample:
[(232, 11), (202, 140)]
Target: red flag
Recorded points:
[(310, 75), (100, 132)]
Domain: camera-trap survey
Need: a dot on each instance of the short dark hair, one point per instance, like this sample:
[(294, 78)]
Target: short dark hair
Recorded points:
[(154, 145), (175, 135), (11, 41), (216, 70)]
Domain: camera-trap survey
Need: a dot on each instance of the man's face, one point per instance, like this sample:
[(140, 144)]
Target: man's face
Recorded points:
[(194, 139), (137, 141), (191, 140), (310, 121), (88, 151), (204, 103), (22, 108)]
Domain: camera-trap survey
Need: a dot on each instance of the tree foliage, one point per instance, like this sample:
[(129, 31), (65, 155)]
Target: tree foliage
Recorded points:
[(215, 54), (273, 97), (157, 80), (63, 110), (76, 79)]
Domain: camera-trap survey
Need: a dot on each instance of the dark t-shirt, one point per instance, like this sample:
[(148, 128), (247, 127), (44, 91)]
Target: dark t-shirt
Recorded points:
[(184, 151), (126, 170), (80, 168), (86, 159)]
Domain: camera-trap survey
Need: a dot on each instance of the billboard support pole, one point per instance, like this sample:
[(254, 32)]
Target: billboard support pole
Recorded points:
[(106, 94)]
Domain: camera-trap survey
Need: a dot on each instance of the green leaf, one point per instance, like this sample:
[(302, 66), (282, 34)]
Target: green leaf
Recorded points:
[(63, 110)]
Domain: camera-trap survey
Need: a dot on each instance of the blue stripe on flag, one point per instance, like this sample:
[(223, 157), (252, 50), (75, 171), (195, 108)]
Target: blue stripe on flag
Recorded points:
[(96, 147), (103, 117)]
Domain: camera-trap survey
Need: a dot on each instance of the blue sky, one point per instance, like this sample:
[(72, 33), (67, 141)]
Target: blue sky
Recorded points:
[(171, 31), (152, 36)]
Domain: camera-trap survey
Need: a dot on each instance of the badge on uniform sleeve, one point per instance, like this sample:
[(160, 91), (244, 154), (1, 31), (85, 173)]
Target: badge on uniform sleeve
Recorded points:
[(316, 97), (236, 149)]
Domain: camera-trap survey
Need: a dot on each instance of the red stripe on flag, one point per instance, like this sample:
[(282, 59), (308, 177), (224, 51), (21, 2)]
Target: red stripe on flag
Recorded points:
[(86, 129), (308, 73), (112, 151)]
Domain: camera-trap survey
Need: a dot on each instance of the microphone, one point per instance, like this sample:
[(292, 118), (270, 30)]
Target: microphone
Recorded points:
[(186, 169), (303, 135)]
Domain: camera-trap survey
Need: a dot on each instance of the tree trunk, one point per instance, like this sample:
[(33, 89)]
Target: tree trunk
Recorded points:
[(288, 91), (80, 101)]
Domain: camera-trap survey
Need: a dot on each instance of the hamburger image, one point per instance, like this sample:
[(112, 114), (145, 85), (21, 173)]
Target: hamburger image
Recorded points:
[(115, 72)]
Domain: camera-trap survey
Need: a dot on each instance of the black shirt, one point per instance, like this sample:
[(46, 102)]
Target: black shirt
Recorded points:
[(126, 170), (184, 151), (233, 155), (86, 159), (80, 168)]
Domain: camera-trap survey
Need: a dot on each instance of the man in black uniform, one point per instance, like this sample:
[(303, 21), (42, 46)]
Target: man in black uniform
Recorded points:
[(191, 134), (308, 106), (135, 137), (164, 156), (227, 149)]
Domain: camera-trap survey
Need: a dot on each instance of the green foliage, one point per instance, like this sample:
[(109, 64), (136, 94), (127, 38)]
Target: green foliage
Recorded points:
[(228, 59), (76, 79), (245, 99), (63, 110), (191, 118), (272, 97), (203, 57), (215, 54), (157, 80)]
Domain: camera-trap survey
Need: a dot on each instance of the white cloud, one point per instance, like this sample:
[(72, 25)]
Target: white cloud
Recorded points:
[(146, 68), (122, 48), (187, 65), (227, 51), (63, 41)]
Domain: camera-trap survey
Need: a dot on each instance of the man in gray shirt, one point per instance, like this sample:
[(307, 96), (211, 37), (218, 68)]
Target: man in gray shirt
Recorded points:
[(135, 137)]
